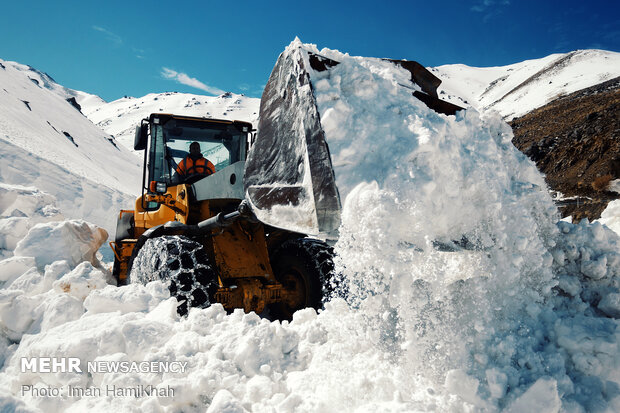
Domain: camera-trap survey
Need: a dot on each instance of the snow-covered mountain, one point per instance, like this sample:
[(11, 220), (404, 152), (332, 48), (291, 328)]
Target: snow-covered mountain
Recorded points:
[(47, 143), (120, 117), (511, 90), (516, 89)]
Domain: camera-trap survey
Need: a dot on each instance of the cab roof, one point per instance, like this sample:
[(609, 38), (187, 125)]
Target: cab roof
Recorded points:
[(165, 117)]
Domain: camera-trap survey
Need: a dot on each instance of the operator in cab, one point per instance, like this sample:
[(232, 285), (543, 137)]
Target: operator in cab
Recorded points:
[(194, 163)]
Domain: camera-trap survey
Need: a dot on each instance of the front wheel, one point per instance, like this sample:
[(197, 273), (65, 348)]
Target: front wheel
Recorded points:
[(180, 261), (305, 268)]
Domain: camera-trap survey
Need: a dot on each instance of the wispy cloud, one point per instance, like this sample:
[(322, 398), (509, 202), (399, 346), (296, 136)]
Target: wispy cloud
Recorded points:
[(184, 79), (490, 8), (109, 35), (482, 6), (139, 53)]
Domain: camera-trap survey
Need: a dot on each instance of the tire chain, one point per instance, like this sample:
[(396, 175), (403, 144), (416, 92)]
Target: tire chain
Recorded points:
[(190, 279)]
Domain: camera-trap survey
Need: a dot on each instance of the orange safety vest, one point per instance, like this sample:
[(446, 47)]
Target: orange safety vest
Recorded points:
[(202, 166)]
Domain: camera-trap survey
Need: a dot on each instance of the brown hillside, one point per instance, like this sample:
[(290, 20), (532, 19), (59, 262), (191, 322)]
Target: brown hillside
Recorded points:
[(575, 142)]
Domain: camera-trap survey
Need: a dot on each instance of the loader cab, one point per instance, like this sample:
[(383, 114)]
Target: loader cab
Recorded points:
[(222, 142)]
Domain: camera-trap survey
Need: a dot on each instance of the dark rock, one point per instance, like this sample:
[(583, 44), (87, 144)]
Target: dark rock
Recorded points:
[(70, 138), (113, 142), (74, 103)]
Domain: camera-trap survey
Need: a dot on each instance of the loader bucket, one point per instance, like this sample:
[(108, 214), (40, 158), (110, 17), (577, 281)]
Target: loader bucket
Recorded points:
[(289, 179)]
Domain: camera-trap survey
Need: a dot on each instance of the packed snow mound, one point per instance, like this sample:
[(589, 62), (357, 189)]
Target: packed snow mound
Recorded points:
[(72, 241), (43, 189), (36, 117), (517, 89), (20, 209), (57, 256), (521, 315), (120, 117), (227, 360)]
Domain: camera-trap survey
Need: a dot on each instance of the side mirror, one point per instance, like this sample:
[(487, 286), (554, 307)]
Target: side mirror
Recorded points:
[(139, 142)]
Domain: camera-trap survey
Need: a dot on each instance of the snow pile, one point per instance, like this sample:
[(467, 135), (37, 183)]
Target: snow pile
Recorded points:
[(520, 314), (491, 320), (73, 241), (54, 265), (23, 210), (45, 257), (51, 307), (20, 209), (236, 360)]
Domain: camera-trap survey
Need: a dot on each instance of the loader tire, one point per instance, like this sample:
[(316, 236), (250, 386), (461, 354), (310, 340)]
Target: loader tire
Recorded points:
[(305, 266), (182, 262)]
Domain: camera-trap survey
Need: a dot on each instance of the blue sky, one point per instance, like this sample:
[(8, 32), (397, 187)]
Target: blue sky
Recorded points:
[(116, 48)]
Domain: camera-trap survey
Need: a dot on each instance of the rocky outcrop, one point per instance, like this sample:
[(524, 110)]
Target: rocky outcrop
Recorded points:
[(575, 142)]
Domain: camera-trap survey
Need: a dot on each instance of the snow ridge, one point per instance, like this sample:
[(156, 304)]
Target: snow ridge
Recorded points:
[(47, 143), (516, 89), (36, 117), (120, 117)]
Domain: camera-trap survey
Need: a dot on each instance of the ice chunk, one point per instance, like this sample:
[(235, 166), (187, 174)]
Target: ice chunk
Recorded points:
[(497, 382), (459, 383), (74, 241), (12, 230), (541, 397), (225, 402), (610, 305), (16, 312), (570, 285), (595, 268), (13, 267), (81, 281), (28, 282), (134, 297)]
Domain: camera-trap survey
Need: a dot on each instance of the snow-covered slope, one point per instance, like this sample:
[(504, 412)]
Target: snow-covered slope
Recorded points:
[(526, 320), (120, 117), (46, 142), (516, 89)]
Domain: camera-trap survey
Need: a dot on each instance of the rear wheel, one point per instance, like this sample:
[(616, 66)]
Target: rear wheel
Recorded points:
[(182, 262), (305, 268)]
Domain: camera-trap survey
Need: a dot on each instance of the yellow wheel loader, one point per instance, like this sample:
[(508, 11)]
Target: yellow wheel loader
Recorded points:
[(198, 232), (239, 236)]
